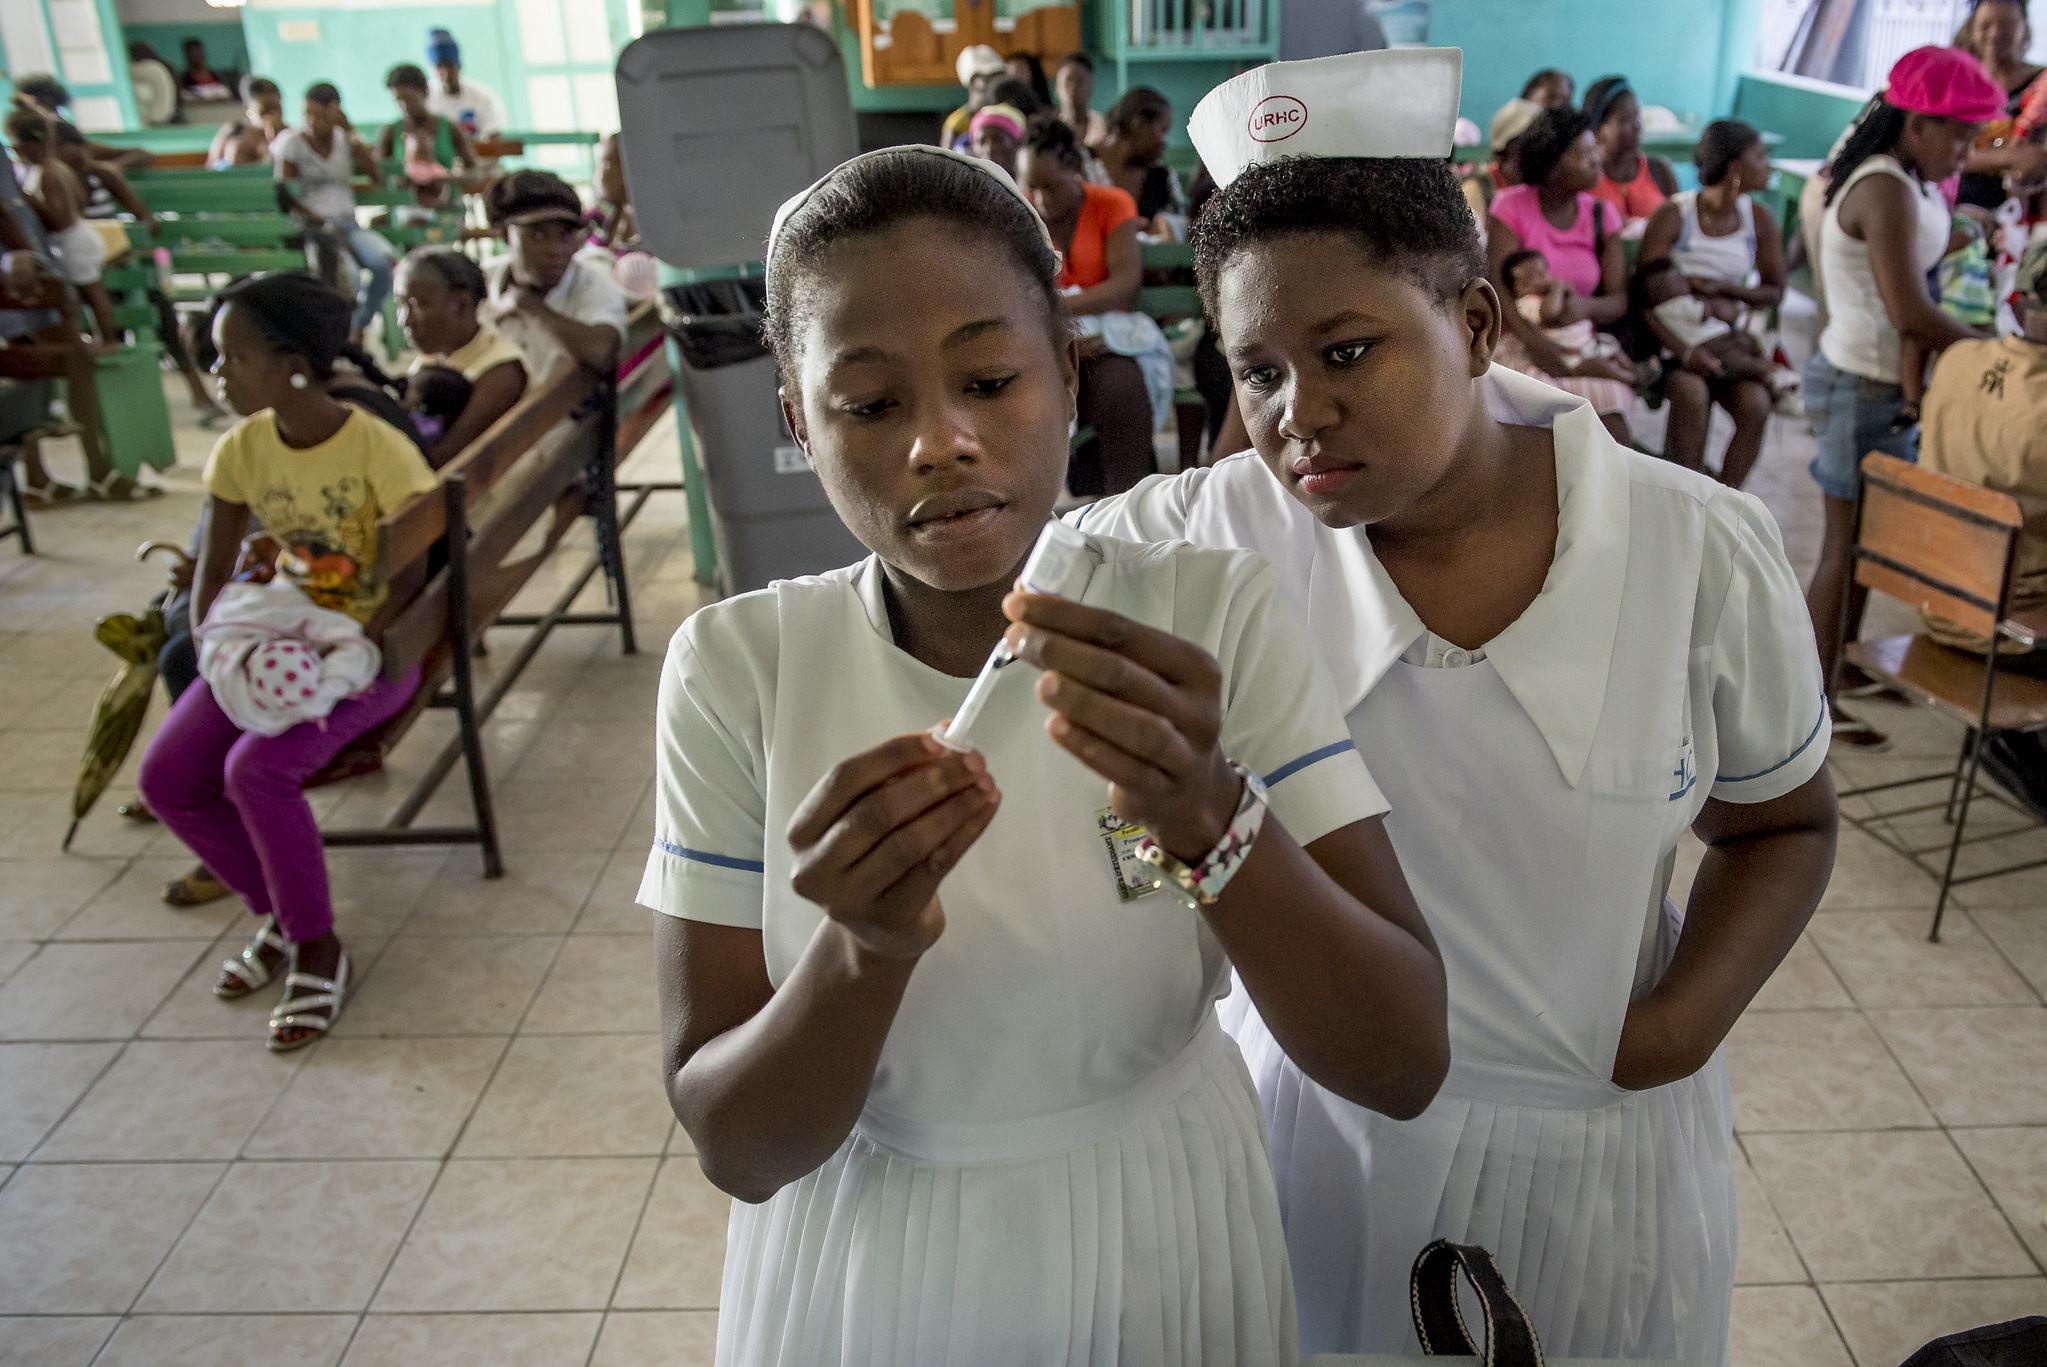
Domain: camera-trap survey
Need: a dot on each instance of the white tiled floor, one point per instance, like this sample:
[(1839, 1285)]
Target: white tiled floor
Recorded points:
[(480, 1167)]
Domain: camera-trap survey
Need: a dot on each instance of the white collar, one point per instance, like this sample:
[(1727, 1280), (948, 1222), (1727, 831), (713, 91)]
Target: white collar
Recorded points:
[(1556, 657)]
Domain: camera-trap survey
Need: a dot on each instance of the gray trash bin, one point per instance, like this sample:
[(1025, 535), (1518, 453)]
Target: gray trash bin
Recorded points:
[(772, 518), (719, 126)]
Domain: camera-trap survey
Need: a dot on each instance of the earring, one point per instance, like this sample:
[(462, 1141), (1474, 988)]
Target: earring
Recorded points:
[(299, 381)]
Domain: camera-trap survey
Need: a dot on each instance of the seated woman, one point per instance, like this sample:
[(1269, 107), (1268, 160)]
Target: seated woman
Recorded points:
[(435, 151), (962, 1072), (440, 293), (1630, 180), (1095, 229), (559, 308), (246, 141), (1132, 158), (1549, 88), (1553, 212), (995, 134), (316, 475), (1729, 247)]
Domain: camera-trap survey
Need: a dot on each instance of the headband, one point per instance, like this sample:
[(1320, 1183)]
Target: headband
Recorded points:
[(986, 168), (1006, 116), (1597, 113)]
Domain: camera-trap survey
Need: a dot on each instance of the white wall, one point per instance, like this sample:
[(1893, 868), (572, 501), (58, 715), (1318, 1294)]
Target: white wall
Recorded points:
[(172, 12)]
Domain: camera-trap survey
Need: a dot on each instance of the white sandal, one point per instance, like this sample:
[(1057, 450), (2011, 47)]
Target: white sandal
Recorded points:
[(249, 971), (327, 996)]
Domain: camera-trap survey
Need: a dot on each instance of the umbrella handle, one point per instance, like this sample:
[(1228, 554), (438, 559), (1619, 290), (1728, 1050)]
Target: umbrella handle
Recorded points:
[(181, 570), (149, 548)]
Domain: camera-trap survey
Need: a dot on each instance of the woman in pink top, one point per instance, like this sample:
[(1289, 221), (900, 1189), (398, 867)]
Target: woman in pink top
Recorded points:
[(1553, 212)]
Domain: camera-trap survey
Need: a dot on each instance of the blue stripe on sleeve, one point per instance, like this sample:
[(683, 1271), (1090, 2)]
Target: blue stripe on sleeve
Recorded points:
[(720, 861), (1313, 757), (1765, 773)]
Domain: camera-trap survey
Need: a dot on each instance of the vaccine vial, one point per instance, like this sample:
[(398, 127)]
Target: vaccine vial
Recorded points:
[(1060, 565)]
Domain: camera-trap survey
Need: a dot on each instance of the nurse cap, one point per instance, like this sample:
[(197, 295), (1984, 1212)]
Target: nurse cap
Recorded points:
[(1399, 102), (986, 168)]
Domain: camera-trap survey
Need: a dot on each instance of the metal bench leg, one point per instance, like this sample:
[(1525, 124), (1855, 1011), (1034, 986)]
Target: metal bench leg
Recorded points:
[(601, 491), (465, 680), (1980, 737)]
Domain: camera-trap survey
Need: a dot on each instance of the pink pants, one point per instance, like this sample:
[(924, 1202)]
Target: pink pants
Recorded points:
[(238, 801)]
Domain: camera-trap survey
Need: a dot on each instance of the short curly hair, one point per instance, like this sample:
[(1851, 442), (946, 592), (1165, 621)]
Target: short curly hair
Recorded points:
[(1548, 140), (1406, 212)]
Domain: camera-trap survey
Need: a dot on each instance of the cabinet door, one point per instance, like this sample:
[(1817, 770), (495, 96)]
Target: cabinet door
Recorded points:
[(918, 42)]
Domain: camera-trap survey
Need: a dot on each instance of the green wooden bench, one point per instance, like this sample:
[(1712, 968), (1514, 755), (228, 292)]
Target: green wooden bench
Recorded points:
[(134, 419)]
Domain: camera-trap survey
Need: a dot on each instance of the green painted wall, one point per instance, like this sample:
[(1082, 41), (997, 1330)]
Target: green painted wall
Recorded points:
[(1809, 115), (1683, 54), (226, 49), (356, 47)]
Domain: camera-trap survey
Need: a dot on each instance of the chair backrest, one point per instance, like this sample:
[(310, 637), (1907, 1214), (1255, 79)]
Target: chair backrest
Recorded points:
[(1940, 544)]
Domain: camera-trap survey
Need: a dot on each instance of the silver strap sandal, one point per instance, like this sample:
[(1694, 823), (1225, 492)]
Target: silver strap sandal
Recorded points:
[(248, 972), (292, 1013)]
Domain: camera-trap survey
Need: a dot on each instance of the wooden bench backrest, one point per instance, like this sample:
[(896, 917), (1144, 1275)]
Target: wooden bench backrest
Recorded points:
[(1935, 542), (551, 456)]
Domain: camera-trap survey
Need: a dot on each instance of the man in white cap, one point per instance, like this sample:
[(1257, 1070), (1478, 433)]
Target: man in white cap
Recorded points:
[(1558, 656), (979, 68)]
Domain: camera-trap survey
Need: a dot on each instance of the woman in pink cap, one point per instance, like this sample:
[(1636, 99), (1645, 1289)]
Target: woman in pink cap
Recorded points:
[(1886, 226)]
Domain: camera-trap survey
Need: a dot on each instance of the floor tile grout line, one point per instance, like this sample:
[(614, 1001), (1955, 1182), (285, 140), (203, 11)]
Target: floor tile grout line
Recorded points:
[(1775, 1214), (2025, 1246), (626, 1258), (78, 1100)]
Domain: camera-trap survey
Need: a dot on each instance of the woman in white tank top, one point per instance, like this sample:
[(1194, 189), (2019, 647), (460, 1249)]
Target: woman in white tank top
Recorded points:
[(1886, 226), (1728, 246)]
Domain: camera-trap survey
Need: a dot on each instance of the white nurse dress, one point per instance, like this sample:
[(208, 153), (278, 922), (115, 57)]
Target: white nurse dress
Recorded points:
[(1062, 1158), (1541, 786)]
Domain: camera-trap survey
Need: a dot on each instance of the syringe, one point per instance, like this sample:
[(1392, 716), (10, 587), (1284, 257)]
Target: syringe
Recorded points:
[(1060, 564)]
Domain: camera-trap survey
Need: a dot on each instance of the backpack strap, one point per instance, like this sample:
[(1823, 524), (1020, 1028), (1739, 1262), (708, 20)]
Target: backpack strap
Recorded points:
[(1439, 1321)]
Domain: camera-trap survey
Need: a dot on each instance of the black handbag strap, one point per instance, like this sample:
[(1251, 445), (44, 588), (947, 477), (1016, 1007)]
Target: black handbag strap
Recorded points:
[(1439, 1321)]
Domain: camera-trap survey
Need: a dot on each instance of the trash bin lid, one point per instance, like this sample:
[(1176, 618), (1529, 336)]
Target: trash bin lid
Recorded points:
[(719, 125)]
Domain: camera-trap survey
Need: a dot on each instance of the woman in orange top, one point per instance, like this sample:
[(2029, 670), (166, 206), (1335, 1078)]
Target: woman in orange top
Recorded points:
[(1095, 229), (1633, 182)]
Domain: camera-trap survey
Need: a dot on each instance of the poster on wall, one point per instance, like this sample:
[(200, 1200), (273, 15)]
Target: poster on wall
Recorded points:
[(1404, 22)]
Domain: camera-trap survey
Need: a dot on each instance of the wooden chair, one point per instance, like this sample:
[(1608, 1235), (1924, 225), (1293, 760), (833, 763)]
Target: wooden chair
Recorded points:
[(1945, 547)]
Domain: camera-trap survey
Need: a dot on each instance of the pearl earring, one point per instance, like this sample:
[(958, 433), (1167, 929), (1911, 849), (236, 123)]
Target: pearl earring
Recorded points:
[(298, 381)]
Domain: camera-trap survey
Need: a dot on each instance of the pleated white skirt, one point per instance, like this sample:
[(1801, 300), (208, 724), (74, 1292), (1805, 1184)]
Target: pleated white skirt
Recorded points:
[(1611, 1213), (1145, 1230)]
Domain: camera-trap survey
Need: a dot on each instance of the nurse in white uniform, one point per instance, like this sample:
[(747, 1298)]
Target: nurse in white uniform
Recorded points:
[(928, 1015), (1558, 656)]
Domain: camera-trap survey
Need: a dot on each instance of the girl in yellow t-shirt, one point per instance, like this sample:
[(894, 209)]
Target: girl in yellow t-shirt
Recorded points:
[(317, 475)]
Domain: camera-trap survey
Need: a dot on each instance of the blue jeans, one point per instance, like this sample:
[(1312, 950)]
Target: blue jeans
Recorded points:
[(1851, 416), (374, 256)]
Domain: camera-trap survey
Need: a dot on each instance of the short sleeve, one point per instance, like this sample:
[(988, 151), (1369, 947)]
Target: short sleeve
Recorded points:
[(1509, 208), (1157, 509), (1118, 208), (280, 154), (396, 471), (1611, 216), (1769, 711), (601, 301), (226, 474), (709, 812), (1280, 715)]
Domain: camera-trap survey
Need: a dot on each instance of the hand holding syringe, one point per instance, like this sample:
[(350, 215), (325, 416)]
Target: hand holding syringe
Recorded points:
[(1060, 564)]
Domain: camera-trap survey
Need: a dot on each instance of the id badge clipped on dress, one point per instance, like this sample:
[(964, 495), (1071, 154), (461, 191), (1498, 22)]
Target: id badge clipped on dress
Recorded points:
[(1134, 877)]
